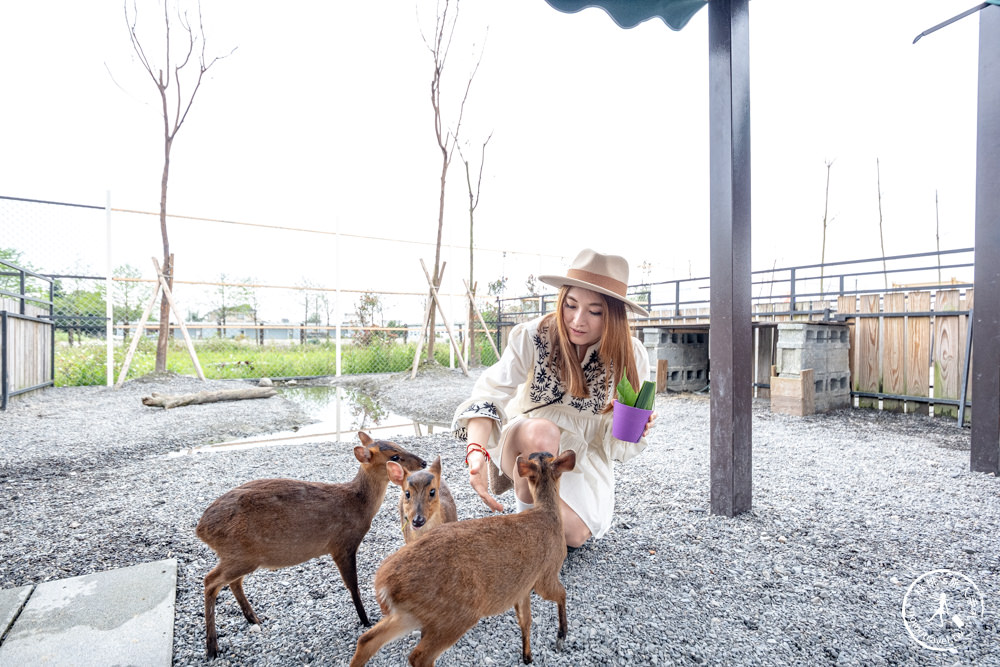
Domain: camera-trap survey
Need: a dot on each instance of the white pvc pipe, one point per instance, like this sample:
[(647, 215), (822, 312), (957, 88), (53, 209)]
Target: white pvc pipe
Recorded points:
[(109, 296)]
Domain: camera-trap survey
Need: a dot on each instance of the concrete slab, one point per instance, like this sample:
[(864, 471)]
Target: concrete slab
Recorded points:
[(11, 602), (118, 617)]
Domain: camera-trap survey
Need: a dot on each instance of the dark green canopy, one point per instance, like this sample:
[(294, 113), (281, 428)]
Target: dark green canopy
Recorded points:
[(630, 13)]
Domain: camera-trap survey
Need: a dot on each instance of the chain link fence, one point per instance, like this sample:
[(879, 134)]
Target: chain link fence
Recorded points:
[(256, 300)]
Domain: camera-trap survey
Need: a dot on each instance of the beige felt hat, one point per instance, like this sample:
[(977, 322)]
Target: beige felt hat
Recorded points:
[(604, 274)]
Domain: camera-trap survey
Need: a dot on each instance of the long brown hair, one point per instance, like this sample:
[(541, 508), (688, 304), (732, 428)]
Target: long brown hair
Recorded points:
[(615, 347)]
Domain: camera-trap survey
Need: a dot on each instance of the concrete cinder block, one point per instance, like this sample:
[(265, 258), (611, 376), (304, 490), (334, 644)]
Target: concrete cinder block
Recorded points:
[(821, 347), (685, 354)]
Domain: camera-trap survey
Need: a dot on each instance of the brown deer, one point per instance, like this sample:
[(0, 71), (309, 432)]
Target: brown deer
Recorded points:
[(460, 572), (276, 523), (425, 500)]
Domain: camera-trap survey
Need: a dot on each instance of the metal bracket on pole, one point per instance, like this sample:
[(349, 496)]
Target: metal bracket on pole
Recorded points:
[(952, 20)]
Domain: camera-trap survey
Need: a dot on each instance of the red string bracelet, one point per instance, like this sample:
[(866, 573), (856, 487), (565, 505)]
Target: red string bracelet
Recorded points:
[(475, 447)]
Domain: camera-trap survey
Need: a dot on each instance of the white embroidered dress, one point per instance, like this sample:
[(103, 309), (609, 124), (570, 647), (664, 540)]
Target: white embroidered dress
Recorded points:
[(522, 386)]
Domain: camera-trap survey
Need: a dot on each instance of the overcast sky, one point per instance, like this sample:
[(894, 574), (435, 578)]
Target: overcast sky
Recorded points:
[(600, 135)]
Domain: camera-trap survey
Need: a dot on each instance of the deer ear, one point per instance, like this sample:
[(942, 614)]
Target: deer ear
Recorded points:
[(565, 462), (524, 467), (362, 454), (396, 472), (436, 467), (365, 439)]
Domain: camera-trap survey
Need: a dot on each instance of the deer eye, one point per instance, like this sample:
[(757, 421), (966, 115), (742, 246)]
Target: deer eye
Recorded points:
[(395, 457), (407, 494), (433, 492)]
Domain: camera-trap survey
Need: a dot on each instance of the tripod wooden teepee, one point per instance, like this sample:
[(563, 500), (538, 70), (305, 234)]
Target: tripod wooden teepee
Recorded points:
[(435, 300), (472, 329), (137, 335)]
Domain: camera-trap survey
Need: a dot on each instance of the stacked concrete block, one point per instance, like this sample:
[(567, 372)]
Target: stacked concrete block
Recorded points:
[(682, 355), (823, 348)]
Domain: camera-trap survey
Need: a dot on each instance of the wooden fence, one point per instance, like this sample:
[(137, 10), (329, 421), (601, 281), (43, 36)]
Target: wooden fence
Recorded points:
[(26, 346), (910, 351)]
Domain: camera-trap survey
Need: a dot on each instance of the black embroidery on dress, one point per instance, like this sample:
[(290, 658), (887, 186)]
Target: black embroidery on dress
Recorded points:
[(595, 375), (544, 387), (484, 409)]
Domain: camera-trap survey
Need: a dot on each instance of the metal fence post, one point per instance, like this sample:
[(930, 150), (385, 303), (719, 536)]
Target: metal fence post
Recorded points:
[(109, 297)]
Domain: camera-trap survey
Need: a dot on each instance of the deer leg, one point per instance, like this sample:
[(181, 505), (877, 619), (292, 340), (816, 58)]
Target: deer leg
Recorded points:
[(236, 586), (554, 591), (434, 641), (522, 609), (348, 565), (211, 636), (215, 580), (387, 629)]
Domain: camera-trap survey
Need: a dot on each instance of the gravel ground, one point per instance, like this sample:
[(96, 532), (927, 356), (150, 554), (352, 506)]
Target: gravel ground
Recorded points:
[(850, 508)]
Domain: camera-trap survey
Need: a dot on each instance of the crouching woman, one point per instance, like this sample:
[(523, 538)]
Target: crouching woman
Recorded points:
[(553, 390)]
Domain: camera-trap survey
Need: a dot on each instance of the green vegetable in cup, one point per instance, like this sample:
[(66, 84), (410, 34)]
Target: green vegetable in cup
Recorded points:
[(643, 399)]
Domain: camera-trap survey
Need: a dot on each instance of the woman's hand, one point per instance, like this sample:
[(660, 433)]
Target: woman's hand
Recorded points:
[(649, 424), (479, 478)]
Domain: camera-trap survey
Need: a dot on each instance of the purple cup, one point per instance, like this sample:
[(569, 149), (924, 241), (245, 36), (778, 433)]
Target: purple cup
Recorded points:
[(628, 423)]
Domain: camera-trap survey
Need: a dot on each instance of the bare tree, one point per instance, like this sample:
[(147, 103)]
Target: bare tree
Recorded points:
[(174, 109), (826, 209), (881, 234), (472, 354), (444, 31), (937, 232)]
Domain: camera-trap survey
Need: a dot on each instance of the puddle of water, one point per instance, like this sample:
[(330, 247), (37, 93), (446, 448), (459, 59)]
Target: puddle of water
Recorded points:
[(341, 412)]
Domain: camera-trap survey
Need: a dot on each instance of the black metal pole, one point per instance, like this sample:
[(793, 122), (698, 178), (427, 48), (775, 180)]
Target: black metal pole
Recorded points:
[(985, 456), (966, 360), (4, 389), (731, 338)]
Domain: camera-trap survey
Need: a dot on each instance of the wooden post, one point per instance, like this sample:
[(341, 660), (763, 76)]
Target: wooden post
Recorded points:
[(866, 361), (947, 351), (137, 335), (918, 351), (444, 319), (423, 329), (472, 302), (985, 449), (731, 340), (662, 370), (893, 358), (177, 314)]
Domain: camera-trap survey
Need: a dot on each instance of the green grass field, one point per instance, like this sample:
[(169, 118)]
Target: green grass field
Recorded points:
[(85, 363)]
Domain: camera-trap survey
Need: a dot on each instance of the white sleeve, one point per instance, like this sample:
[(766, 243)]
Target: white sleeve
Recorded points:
[(497, 386), (619, 450)]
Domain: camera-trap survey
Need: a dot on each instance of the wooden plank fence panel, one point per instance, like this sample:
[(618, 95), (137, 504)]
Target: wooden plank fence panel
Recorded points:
[(918, 351), (867, 340), (893, 358), (28, 361), (947, 351), (848, 305)]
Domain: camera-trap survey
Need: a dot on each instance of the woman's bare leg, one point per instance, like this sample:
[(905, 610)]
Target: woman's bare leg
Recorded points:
[(524, 439), (575, 529)]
